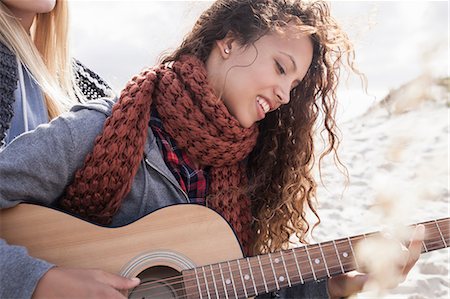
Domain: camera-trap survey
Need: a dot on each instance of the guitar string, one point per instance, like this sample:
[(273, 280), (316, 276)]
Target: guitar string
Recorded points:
[(222, 291), (324, 246), (263, 257), (345, 240), (219, 290), (236, 270), (210, 276)]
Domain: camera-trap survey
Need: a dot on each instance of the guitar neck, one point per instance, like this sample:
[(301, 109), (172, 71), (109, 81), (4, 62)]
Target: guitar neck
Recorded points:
[(265, 273)]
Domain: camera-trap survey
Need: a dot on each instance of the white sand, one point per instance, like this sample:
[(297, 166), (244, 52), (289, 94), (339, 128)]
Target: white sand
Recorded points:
[(399, 173)]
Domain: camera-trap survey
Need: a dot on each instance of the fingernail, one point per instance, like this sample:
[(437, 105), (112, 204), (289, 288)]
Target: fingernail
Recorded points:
[(135, 279)]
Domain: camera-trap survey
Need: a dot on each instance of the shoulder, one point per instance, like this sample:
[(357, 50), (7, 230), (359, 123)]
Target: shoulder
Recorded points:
[(91, 85), (82, 124), (100, 105)]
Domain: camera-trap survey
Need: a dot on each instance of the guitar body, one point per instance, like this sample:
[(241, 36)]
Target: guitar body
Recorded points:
[(184, 251), (155, 247)]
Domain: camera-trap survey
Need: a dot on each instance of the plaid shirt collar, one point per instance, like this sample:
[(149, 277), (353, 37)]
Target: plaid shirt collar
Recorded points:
[(193, 181)]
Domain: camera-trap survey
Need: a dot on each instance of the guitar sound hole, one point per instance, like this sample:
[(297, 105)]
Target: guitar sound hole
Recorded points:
[(159, 282)]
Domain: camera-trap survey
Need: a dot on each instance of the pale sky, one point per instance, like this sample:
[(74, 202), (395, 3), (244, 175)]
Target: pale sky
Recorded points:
[(395, 41)]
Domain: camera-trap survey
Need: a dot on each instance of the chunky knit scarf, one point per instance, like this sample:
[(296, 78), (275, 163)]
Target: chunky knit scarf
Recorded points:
[(197, 120)]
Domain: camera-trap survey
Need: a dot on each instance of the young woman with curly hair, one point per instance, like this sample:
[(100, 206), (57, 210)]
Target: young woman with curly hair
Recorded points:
[(227, 121)]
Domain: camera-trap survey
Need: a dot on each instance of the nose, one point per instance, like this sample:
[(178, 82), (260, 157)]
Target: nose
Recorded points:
[(283, 94)]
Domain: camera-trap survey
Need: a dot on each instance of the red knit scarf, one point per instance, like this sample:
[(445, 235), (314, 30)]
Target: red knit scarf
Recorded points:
[(197, 120)]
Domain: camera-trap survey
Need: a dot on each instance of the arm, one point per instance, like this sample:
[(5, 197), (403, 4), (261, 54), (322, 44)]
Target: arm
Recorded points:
[(36, 167), (19, 272)]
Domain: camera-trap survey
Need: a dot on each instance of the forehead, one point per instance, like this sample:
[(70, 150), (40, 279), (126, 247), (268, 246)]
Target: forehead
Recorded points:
[(290, 43)]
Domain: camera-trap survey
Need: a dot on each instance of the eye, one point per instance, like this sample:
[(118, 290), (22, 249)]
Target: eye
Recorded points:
[(280, 68)]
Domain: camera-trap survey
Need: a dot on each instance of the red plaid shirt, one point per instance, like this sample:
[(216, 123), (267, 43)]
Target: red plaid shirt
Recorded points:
[(193, 181)]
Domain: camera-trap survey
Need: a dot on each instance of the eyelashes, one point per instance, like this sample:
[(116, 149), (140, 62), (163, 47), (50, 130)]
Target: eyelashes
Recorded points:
[(281, 70)]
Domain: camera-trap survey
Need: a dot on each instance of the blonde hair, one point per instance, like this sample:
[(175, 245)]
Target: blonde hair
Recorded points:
[(45, 54)]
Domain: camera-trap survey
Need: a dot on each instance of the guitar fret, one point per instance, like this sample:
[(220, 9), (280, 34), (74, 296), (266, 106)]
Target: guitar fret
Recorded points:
[(262, 272), (253, 277), (242, 279), (198, 283), (339, 258), (310, 262), (285, 269), (206, 283), (424, 246), (345, 255), (280, 270), (273, 270), (445, 232), (298, 266), (289, 267), (353, 253), (442, 236), (258, 275), (223, 281), (232, 280), (214, 281), (325, 262)]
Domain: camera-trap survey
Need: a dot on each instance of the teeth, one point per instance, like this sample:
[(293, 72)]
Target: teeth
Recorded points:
[(264, 104)]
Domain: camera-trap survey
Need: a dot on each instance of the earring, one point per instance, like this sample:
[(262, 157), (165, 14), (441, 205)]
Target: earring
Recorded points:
[(227, 51)]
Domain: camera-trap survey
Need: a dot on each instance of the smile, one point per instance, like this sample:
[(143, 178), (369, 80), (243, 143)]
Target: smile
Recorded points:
[(264, 104)]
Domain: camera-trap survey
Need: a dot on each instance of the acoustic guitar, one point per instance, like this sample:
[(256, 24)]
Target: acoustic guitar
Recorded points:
[(183, 251)]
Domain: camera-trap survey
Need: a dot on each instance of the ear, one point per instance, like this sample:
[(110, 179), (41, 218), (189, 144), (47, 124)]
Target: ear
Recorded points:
[(226, 44)]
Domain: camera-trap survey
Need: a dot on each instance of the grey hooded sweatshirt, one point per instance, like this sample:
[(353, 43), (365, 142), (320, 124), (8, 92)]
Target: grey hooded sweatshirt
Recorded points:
[(38, 166)]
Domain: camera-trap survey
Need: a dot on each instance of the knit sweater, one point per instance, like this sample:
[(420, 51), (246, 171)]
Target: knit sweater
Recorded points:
[(89, 83)]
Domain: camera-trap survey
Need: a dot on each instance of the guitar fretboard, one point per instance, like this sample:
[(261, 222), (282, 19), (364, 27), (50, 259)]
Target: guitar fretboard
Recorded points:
[(260, 274)]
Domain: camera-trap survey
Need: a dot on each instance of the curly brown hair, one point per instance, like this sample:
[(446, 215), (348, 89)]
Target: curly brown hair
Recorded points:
[(280, 167)]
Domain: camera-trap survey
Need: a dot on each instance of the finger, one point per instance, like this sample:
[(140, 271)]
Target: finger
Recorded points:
[(415, 248), (347, 284), (357, 282), (118, 282)]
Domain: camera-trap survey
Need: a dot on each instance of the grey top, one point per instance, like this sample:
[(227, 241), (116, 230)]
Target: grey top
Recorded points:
[(38, 165), (29, 107)]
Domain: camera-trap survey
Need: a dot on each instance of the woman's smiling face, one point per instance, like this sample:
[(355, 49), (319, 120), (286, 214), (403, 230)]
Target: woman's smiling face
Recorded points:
[(256, 79)]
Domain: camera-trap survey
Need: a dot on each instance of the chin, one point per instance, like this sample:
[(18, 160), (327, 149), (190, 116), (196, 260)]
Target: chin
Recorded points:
[(45, 6), (246, 124)]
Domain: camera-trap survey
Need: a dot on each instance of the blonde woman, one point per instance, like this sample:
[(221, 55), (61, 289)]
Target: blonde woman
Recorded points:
[(38, 79)]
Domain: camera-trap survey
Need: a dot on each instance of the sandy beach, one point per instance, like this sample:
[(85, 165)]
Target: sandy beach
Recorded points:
[(397, 158)]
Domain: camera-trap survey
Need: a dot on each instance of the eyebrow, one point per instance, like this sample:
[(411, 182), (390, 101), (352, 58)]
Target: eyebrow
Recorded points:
[(291, 58)]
